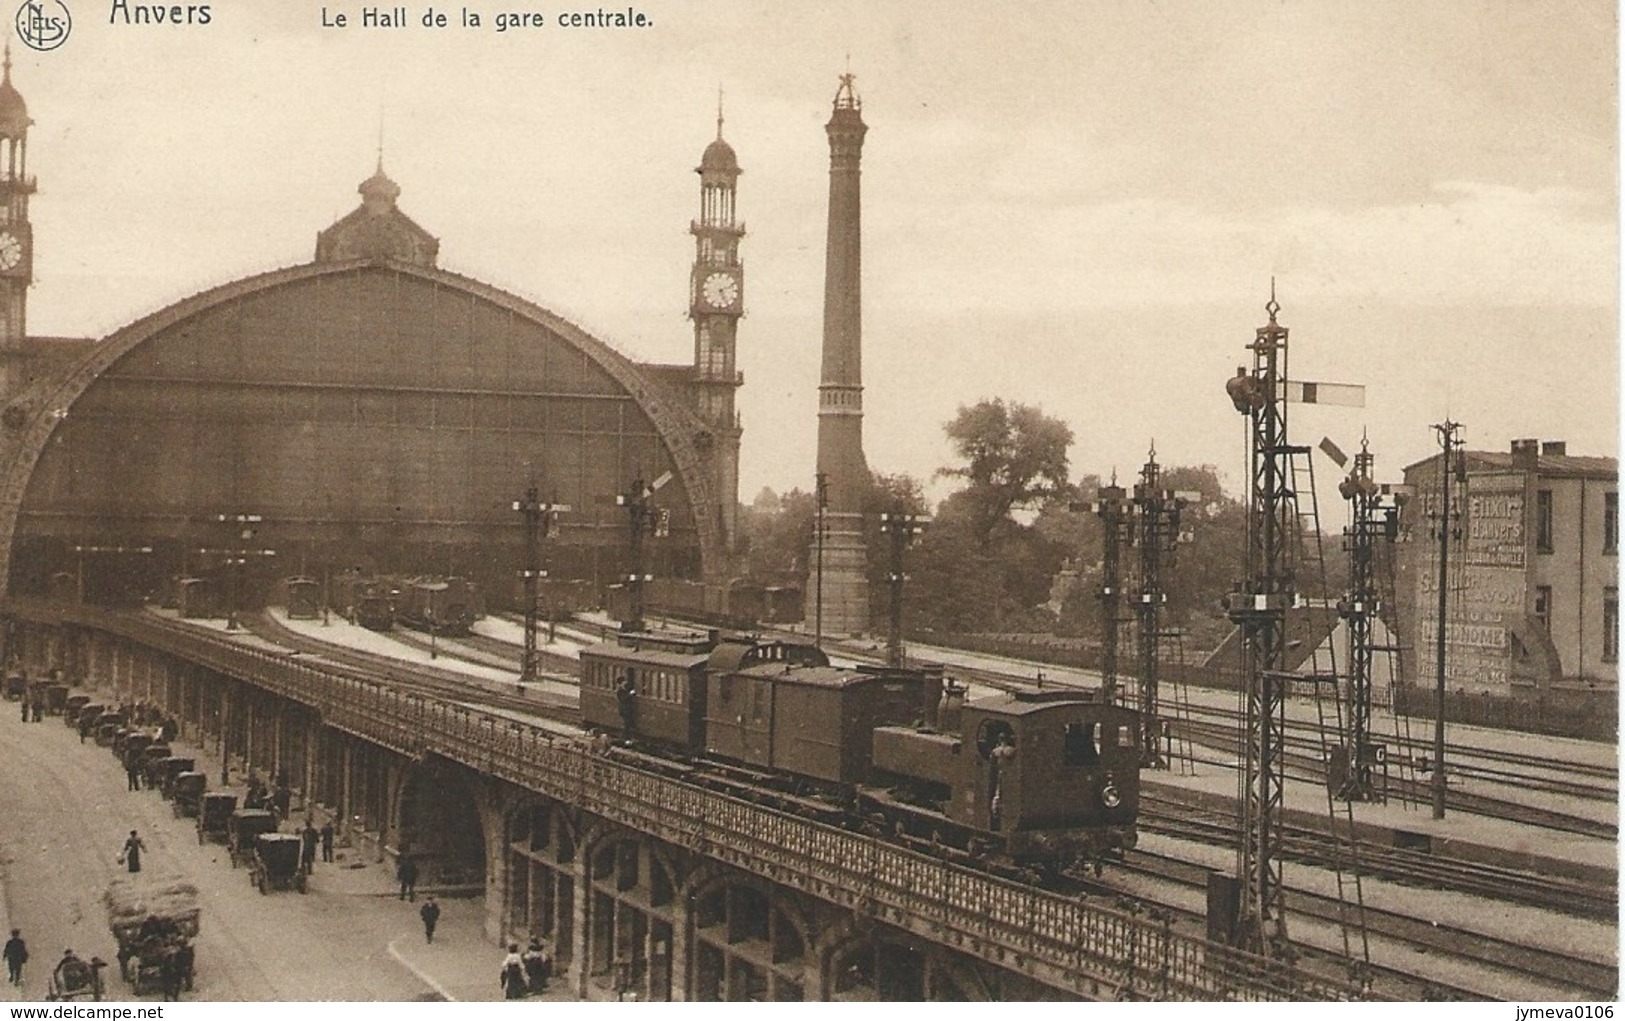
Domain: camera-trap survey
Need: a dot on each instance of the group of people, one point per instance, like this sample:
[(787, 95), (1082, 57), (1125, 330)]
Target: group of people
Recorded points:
[(277, 799), (310, 838), (71, 974), (528, 972)]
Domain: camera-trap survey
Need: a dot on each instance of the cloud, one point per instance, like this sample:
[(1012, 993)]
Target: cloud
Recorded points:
[(1470, 242)]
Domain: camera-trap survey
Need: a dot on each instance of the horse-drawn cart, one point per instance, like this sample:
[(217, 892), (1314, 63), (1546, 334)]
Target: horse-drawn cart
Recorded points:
[(244, 825), (187, 794), (214, 816), (276, 863), (154, 922)]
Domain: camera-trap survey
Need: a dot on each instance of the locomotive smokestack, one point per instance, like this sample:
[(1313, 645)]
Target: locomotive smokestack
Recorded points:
[(931, 692), (953, 697)]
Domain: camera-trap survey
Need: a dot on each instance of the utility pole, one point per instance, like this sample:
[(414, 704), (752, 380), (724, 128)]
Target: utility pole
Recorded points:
[(1450, 462), (1373, 514), (901, 527), (1258, 607), (540, 519), (1157, 514), (642, 518), (821, 494), (1112, 507)]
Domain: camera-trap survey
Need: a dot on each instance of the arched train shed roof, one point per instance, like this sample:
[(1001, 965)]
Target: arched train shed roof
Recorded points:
[(35, 416)]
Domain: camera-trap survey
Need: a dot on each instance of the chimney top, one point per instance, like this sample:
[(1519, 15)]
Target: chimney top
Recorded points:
[(1554, 448), (1524, 453)]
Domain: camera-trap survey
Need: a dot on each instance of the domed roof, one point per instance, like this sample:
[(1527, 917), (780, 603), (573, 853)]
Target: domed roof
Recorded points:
[(13, 111), (379, 185), (719, 155)]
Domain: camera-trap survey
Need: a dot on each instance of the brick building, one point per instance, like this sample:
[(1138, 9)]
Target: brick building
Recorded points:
[(1533, 596)]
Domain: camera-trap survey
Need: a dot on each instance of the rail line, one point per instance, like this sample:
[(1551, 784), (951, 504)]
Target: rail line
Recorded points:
[(1402, 865), (1576, 975)]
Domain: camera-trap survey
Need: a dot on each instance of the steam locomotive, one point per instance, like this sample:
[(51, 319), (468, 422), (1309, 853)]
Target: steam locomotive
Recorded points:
[(446, 605), (1044, 779)]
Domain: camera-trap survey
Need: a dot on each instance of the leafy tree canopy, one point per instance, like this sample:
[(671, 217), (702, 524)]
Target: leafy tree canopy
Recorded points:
[(1015, 456)]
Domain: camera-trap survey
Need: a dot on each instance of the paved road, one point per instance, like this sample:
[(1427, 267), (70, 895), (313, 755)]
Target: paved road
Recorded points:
[(64, 814)]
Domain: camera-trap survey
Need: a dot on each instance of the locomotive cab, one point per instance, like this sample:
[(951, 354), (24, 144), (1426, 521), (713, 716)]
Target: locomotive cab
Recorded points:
[(1045, 775)]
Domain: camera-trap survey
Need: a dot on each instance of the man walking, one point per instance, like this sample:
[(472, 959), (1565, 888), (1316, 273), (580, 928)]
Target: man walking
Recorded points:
[(16, 955), (430, 913), (307, 848), (407, 872), (327, 840)]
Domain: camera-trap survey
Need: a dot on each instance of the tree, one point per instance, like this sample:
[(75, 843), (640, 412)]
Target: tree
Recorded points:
[(1015, 457)]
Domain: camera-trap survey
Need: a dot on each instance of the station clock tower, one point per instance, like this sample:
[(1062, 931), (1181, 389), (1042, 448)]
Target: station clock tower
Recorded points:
[(16, 233), (716, 301)]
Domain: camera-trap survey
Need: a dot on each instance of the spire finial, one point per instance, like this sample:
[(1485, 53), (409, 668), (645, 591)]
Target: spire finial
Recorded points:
[(846, 97), (719, 112), (1274, 306), (380, 138), (8, 55), (1153, 454)]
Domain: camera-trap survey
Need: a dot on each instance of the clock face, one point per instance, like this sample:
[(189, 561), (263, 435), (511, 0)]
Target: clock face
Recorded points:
[(720, 290), (11, 250)]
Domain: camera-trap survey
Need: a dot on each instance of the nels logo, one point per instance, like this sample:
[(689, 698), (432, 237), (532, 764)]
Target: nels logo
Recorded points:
[(44, 25)]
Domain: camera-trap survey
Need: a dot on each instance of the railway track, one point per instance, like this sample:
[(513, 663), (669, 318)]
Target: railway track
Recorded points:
[(449, 684), (1567, 975), (1302, 760)]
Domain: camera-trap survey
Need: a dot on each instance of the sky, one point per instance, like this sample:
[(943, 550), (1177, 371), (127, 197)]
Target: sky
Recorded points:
[(1077, 205)]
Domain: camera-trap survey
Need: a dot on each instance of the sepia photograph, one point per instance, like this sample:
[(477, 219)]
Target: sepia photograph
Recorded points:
[(1105, 501)]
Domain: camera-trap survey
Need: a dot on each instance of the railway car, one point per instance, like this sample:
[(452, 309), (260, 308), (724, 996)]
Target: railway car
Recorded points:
[(781, 706), (559, 599), (1035, 780), (365, 599), (197, 598), (303, 597), (652, 689), (447, 605)]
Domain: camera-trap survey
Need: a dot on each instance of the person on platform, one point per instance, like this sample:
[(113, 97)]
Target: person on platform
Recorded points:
[(131, 856), (327, 840), (430, 913), (16, 955), (513, 974), (406, 870), (626, 701)]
